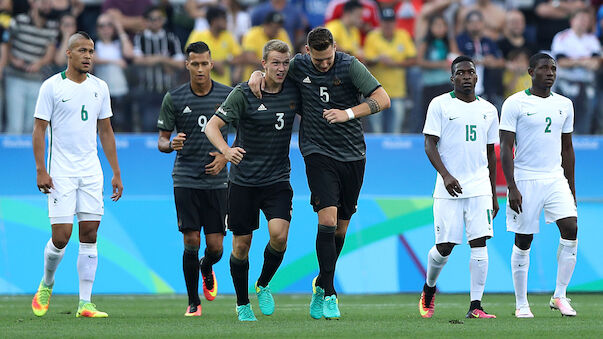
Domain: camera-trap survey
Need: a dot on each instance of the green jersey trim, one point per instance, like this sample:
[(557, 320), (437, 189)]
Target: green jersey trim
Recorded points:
[(63, 75)]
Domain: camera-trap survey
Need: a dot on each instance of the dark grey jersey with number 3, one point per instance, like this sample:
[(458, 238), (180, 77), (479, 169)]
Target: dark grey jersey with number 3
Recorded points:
[(189, 113), (263, 131)]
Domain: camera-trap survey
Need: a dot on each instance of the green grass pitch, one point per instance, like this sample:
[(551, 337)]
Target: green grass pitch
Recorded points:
[(362, 316)]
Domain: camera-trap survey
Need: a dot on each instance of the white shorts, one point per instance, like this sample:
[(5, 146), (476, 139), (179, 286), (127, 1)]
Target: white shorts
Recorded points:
[(451, 216), (76, 195), (552, 195)]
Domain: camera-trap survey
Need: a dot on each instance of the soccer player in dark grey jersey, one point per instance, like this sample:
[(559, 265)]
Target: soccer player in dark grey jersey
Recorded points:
[(200, 176), (259, 177), (332, 143)]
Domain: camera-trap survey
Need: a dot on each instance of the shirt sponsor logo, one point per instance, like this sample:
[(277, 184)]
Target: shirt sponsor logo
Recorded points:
[(307, 80), (262, 108), (186, 110)]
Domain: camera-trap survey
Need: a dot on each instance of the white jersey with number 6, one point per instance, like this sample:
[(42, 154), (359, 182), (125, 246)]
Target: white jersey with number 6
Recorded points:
[(464, 129), (538, 124), (72, 111)]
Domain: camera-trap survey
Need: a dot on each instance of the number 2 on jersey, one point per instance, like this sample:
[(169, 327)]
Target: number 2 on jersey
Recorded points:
[(84, 113), (548, 124)]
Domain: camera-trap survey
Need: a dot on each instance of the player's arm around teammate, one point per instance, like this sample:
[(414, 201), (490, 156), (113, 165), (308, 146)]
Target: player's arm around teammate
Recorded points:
[(259, 177)]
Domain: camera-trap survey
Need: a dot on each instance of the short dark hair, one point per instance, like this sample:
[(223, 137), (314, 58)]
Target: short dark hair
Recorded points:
[(537, 57), (148, 11), (319, 39), (460, 59), (474, 12), (213, 13), (198, 47), (351, 5)]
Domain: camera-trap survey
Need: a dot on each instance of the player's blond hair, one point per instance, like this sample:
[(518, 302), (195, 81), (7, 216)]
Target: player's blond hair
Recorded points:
[(275, 45)]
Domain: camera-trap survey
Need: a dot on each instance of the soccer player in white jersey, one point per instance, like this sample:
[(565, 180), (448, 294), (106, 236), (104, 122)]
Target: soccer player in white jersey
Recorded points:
[(72, 105), (460, 132), (539, 123)]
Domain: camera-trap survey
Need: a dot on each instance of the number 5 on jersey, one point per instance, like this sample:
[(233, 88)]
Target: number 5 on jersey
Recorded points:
[(470, 132), (324, 95)]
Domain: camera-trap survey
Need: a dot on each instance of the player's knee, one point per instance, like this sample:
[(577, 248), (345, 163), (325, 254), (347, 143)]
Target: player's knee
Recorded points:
[(214, 247), (192, 238), (88, 236), (523, 241), (445, 248), (60, 242), (279, 242), (240, 248), (479, 242), (569, 231)]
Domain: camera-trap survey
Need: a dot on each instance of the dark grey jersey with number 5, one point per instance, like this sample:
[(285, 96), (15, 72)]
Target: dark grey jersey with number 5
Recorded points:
[(263, 131), (189, 113), (340, 87)]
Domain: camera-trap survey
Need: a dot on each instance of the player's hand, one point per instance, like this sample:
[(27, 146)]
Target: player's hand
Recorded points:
[(214, 167), (44, 182), (118, 188), (495, 207), (234, 155), (452, 186), (334, 115), (178, 141), (256, 82), (515, 199)]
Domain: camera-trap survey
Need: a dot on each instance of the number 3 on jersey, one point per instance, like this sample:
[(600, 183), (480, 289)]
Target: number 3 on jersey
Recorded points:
[(280, 122), (84, 113), (324, 95)]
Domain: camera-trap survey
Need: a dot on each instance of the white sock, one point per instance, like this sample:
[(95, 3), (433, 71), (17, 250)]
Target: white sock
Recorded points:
[(87, 261), (478, 267), (435, 263), (566, 261), (52, 258), (520, 263)]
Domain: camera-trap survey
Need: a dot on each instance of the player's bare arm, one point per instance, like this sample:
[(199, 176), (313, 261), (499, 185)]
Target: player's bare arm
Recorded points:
[(452, 185), (166, 145), (507, 139), (212, 131), (107, 139), (376, 102), (492, 168), (256, 83), (43, 179), (568, 160)]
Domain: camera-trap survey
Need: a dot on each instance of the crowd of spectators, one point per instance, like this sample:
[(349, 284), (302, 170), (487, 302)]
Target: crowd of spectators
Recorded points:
[(407, 44)]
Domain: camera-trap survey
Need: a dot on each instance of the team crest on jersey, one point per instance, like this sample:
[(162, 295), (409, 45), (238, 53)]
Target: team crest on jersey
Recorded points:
[(95, 94), (336, 81), (485, 116), (560, 112), (292, 105)]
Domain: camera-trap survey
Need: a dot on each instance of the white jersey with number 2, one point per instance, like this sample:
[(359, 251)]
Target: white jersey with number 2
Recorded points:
[(538, 124), (464, 129), (72, 111)]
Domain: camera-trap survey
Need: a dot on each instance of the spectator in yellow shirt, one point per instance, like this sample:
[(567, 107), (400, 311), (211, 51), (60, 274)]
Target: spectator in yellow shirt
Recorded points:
[(258, 36), (225, 50), (388, 52), (516, 77), (346, 30)]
